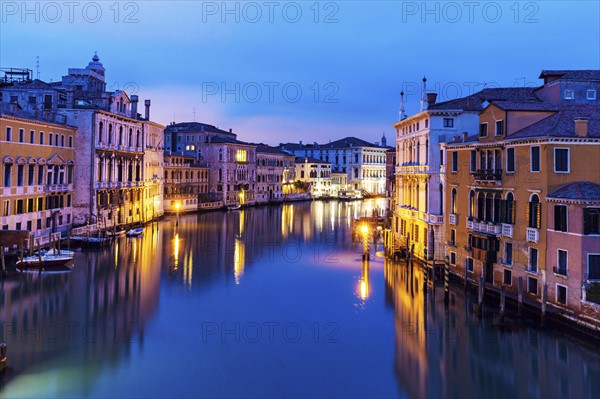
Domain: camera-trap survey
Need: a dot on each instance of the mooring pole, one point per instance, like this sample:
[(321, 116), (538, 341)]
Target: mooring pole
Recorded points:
[(520, 295), (502, 302), (480, 298), (446, 279)]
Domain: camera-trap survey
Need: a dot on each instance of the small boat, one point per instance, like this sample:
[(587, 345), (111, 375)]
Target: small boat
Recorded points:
[(115, 234), (51, 260), (135, 232), (89, 241), (234, 207)]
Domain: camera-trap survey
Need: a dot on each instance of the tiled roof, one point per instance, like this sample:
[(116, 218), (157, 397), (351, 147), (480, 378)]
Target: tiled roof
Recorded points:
[(525, 106), (230, 140), (35, 84), (348, 142), (267, 149), (474, 101), (582, 190), (196, 127), (8, 109), (562, 123), (309, 160), (566, 74)]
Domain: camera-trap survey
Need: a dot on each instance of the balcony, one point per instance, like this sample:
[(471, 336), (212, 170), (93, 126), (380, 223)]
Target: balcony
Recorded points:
[(484, 227), (560, 270), (436, 219), (507, 230), (488, 175), (52, 188), (452, 219), (469, 223), (532, 234)]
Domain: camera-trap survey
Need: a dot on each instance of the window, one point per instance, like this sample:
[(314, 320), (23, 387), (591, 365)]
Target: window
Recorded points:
[(507, 277), (534, 212), (21, 135), (499, 128), (452, 237), (6, 208), (561, 160), (591, 220), (560, 218), (593, 267), (41, 137), (453, 201), (561, 294), (510, 160), (508, 249), (453, 258), (455, 161), (569, 95), (483, 130), (70, 141), (473, 164), (532, 285), (31, 136), (591, 94), (20, 174), (32, 100), (31, 175), (562, 259), (534, 159), (469, 264), (533, 260), (448, 122), (8, 136)]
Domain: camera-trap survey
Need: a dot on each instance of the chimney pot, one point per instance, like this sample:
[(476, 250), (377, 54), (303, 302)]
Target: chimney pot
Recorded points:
[(431, 97), (454, 138), (464, 136), (581, 127), (134, 106), (147, 114)]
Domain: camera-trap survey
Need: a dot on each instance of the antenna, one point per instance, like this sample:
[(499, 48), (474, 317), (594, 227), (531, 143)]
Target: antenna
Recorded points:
[(401, 110), (194, 114), (423, 106), (37, 66)]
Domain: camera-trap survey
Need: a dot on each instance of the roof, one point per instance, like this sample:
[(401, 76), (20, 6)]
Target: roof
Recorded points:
[(525, 106), (309, 160), (474, 101), (196, 127), (8, 109), (569, 74), (267, 149), (562, 123), (228, 140), (35, 84), (341, 143), (581, 190)]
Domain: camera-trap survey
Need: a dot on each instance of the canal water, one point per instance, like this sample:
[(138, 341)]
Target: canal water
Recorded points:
[(268, 302)]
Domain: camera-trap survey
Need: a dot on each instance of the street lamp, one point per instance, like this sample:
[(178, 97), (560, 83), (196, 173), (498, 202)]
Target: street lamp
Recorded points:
[(365, 232), (177, 206)]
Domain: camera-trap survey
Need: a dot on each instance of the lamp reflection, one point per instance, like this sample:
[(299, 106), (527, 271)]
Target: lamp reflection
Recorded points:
[(239, 257), (176, 252), (364, 286)]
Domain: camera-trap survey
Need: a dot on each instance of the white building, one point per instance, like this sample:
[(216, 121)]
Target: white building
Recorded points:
[(315, 172), (361, 161), (274, 170)]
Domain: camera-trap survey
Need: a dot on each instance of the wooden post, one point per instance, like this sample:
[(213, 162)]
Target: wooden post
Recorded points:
[(58, 243), (3, 260), (480, 298), (446, 280), (520, 295), (22, 249), (502, 302), (544, 299)]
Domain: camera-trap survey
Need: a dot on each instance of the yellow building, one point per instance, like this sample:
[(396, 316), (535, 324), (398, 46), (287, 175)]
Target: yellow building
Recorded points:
[(184, 181), (37, 171), (499, 180)]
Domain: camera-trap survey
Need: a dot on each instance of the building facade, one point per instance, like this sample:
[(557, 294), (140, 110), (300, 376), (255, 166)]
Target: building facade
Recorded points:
[(38, 162), (315, 173), (184, 182), (521, 195), (274, 170)]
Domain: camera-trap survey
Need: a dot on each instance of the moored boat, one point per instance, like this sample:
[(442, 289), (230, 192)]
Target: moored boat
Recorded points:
[(135, 232), (51, 260)]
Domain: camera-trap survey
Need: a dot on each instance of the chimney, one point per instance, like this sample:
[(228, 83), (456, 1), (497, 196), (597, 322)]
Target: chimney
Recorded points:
[(37, 113), (464, 136), (431, 97), (14, 108), (147, 104), (300, 142), (230, 130), (454, 139), (134, 105), (581, 127)]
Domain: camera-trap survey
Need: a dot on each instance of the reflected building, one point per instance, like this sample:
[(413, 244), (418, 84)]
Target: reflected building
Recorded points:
[(453, 353)]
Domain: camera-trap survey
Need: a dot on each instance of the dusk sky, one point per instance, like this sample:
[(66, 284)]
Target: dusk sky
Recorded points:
[(288, 71)]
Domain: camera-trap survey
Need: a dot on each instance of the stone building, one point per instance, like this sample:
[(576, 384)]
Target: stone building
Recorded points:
[(184, 181), (275, 169), (315, 172)]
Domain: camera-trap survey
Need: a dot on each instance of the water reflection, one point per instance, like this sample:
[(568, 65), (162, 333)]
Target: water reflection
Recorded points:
[(454, 353)]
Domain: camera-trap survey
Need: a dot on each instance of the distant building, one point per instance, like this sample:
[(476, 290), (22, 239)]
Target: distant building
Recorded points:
[(38, 163), (184, 180), (192, 137), (363, 163), (275, 169), (316, 173)]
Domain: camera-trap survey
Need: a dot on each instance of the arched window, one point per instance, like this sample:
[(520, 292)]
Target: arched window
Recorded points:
[(137, 139), (534, 212), (471, 203), (130, 137), (497, 202), (110, 134), (480, 206), (100, 132), (120, 135), (453, 201), (489, 207), (510, 209)]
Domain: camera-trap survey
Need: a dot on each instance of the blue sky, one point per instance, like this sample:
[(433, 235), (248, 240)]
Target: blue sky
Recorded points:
[(288, 71)]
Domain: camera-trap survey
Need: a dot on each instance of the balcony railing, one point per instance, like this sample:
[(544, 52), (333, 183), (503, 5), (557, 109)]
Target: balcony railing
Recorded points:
[(484, 226), (507, 230), (488, 174), (57, 187), (532, 234), (452, 219), (436, 219), (469, 223), (562, 271)]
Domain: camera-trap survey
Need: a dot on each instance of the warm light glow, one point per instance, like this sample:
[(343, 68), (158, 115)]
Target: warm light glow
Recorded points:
[(176, 251), (239, 257), (177, 205), (364, 289), (241, 156), (364, 229)]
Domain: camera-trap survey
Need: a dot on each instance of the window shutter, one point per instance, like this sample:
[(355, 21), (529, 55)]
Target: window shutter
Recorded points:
[(539, 215), (513, 212), (528, 214)]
